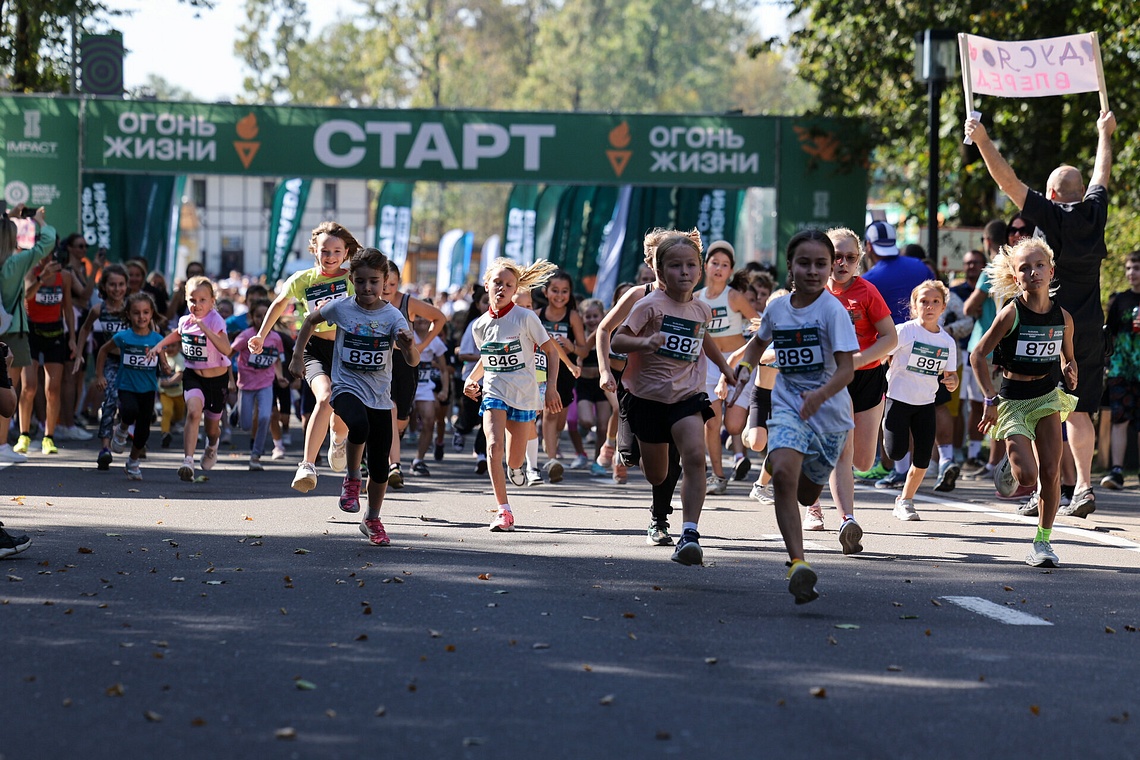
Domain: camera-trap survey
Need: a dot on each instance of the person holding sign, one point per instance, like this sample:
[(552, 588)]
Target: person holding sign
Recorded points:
[(1032, 338), (811, 417), (664, 337), (925, 354), (506, 336), (1073, 221), (137, 377), (368, 328)]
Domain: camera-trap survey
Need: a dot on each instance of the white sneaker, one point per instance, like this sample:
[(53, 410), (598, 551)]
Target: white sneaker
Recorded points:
[(533, 478), (580, 462), (715, 486), (813, 519), (338, 454), (517, 477), (72, 433), (210, 456), (762, 494), (278, 452), (904, 510), (306, 478), (8, 455)]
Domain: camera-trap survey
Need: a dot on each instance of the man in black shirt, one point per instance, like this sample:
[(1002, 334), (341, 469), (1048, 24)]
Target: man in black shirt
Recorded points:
[(1072, 220)]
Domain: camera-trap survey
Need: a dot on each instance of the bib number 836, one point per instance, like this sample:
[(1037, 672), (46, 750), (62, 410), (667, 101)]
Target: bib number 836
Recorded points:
[(375, 358)]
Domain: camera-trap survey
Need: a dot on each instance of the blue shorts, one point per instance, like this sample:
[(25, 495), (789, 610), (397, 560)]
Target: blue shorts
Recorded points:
[(821, 450), (513, 415)]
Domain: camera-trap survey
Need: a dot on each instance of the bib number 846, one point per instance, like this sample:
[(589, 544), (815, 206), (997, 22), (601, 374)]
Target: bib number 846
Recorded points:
[(506, 360)]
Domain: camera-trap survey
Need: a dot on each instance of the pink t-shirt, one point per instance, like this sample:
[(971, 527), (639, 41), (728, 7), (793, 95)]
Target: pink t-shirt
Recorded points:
[(197, 349), (255, 371), (677, 369)]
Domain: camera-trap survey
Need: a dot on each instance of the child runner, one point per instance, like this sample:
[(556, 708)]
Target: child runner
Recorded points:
[(171, 394), (506, 336), (760, 409), (563, 323), (332, 246), (925, 353), (104, 321), (137, 377), (607, 458), (468, 418), (205, 381), (593, 405), (257, 374), (431, 388), (368, 329), (1033, 335), (811, 410), (664, 338)]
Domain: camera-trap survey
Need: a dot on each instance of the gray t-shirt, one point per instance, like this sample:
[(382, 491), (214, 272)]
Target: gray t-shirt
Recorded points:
[(362, 355), (805, 341)]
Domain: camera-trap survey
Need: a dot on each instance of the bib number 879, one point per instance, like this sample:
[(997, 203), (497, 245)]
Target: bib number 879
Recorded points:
[(1043, 348), (794, 357), (680, 345)]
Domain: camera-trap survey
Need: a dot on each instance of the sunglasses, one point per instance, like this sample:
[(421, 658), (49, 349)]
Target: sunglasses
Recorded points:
[(1017, 230)]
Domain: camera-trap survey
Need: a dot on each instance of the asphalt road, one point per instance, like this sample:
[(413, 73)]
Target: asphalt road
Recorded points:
[(238, 618)]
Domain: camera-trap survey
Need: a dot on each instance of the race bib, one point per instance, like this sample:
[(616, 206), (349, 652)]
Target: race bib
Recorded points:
[(135, 356), (926, 359), (365, 353), (798, 351), (1039, 343), (50, 295), (318, 295), (539, 360), (683, 338), (427, 373), (719, 321), (265, 360), (502, 357), (194, 347), (557, 328)]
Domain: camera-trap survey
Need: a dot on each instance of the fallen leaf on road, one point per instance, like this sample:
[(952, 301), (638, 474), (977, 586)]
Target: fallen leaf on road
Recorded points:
[(114, 690), (1109, 629), (1122, 718), (303, 685), (178, 579), (198, 722), (606, 700), (628, 615), (818, 692), (288, 733), (85, 550), (484, 576), (540, 645), (472, 741), (663, 736), (588, 617), (113, 535), (832, 640), (302, 551), (894, 668), (152, 716), (201, 479), (847, 626), (132, 490), (1035, 709), (710, 661), (588, 668), (381, 711), (434, 634), (936, 603), (908, 617), (1007, 588)]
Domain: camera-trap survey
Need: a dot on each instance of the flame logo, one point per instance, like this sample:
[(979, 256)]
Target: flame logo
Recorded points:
[(247, 127), (824, 146), (619, 136)]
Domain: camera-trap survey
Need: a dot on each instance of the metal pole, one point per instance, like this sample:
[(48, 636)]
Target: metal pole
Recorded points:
[(934, 89)]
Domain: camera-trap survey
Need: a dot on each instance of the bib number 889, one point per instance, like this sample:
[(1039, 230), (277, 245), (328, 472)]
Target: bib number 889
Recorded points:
[(794, 357)]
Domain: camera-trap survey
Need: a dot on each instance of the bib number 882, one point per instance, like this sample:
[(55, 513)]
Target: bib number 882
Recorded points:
[(681, 345)]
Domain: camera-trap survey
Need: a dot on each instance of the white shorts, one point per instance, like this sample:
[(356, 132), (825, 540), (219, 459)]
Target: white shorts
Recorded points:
[(712, 377)]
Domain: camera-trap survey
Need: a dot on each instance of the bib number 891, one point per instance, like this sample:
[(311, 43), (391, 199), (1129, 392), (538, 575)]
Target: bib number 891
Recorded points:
[(925, 362)]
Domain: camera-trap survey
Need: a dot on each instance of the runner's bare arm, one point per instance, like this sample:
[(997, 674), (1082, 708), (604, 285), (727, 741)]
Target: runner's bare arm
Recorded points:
[(1102, 167)]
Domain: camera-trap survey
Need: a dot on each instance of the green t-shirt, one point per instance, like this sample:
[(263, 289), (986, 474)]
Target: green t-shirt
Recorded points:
[(12, 277)]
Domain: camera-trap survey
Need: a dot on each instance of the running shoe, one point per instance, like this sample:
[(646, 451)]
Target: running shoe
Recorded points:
[(1020, 493), (350, 495), (741, 468), (877, 472), (1004, 481), (1030, 508), (338, 453), (10, 544), (688, 551), (762, 494), (658, 533), (167, 439), (419, 467), (47, 445), (278, 452), (395, 476), (504, 521), (621, 472), (255, 463), (437, 452), (1042, 555), (904, 510), (186, 472), (72, 433), (481, 466), (598, 471), (1067, 494), (1083, 505), (813, 519), (457, 442), (516, 476), (209, 456), (134, 471), (533, 478), (305, 479), (23, 443), (580, 462), (1114, 480), (8, 454), (984, 473), (801, 582), (972, 466), (948, 473), (554, 470), (851, 536), (606, 456), (374, 531), (715, 486), (119, 440), (893, 480), (104, 460)]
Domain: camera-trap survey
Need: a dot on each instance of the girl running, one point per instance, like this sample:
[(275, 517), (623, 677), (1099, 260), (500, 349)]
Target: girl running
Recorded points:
[(368, 330), (924, 354), (564, 325), (506, 336), (331, 246), (664, 337), (137, 377), (431, 389), (205, 381), (593, 405), (104, 321), (257, 374), (1033, 337), (608, 457), (730, 311)]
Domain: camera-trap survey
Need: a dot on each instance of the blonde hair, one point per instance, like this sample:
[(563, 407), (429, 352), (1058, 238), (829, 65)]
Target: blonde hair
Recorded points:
[(928, 285), (528, 277), (1002, 275), (841, 233), (591, 303), (655, 236), (200, 281)]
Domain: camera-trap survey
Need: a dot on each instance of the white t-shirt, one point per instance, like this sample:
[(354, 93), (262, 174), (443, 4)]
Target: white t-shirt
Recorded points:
[(805, 341), (428, 373), (918, 361), (506, 346)]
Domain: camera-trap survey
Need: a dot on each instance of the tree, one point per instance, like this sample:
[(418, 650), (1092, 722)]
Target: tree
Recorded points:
[(270, 41), (159, 88)]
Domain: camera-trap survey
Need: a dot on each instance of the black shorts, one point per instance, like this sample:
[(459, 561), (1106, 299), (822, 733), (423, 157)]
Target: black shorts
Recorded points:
[(213, 389), (566, 385), (652, 421), (48, 342), (902, 423), (867, 388), (760, 407), (942, 396), (404, 382), (283, 399), (1124, 401), (590, 389), (318, 358)]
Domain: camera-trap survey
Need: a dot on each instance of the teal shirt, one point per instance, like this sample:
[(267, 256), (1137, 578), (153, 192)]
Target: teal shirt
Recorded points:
[(12, 277), (989, 314)]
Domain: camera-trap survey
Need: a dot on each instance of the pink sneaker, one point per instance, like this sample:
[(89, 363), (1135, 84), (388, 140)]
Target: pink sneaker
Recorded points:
[(504, 520), (374, 530), (350, 496)]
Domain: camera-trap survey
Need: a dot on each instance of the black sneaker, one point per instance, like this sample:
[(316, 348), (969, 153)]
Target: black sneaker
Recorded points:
[(658, 533), (1114, 480), (741, 468), (395, 476), (437, 454), (167, 438), (973, 466), (1083, 505), (481, 466), (10, 544), (418, 468), (104, 460), (688, 551)]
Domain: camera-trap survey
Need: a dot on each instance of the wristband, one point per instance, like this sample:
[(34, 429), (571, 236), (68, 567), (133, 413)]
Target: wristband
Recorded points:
[(991, 401), (746, 365)]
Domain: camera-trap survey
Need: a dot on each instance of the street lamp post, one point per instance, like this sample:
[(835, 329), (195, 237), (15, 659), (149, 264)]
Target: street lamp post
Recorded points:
[(935, 61)]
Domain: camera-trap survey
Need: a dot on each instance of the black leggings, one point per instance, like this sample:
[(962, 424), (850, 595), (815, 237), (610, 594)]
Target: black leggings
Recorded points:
[(137, 409), (901, 421), (367, 426)]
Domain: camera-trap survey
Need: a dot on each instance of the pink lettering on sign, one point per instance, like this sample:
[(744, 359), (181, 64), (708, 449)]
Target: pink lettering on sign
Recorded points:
[(1033, 68)]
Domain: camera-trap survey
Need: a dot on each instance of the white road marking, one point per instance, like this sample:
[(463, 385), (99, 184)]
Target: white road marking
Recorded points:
[(995, 611)]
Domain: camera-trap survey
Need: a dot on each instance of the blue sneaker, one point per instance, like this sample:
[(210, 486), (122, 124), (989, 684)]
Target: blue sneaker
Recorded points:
[(894, 479), (688, 551)]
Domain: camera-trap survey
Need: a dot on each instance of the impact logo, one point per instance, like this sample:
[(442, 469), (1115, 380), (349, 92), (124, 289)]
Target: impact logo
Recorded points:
[(32, 144), (246, 146), (618, 153)]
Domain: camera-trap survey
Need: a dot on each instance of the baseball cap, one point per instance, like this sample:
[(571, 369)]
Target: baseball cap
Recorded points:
[(725, 247), (881, 236)]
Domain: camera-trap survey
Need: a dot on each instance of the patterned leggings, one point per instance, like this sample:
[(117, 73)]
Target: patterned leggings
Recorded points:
[(110, 399)]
